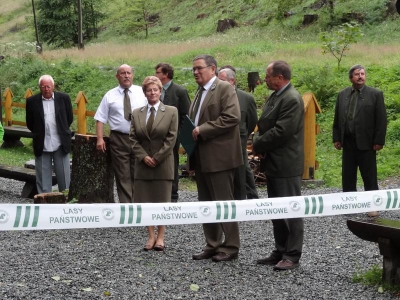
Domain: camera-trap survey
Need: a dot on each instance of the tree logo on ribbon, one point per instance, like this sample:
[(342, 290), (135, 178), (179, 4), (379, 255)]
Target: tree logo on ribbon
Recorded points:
[(205, 210), (378, 200), (108, 214), (3, 216)]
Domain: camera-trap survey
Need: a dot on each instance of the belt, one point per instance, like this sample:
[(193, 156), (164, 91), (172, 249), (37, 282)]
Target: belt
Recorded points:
[(119, 132)]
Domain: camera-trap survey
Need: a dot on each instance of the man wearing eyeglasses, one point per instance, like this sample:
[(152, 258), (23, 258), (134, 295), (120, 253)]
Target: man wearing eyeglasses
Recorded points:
[(174, 95), (215, 112), (49, 116)]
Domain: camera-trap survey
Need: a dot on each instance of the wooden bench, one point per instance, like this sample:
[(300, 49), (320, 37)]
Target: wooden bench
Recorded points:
[(12, 135), (387, 234), (23, 174)]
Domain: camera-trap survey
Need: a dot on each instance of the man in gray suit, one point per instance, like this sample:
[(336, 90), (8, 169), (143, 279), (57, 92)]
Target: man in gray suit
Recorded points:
[(359, 128), (280, 140), (215, 112), (174, 95), (248, 120)]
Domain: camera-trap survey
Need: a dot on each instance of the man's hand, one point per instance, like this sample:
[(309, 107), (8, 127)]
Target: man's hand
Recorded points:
[(337, 145), (377, 147), (101, 145), (262, 156), (196, 133)]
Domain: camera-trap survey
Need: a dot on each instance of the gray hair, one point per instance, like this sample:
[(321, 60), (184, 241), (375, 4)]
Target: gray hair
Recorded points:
[(46, 77), (353, 68), (209, 60), (229, 73)]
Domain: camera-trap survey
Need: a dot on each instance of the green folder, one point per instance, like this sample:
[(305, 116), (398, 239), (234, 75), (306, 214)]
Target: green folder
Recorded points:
[(186, 137)]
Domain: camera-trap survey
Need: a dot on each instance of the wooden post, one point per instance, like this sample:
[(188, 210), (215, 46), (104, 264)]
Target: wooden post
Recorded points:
[(92, 175), (28, 93), (81, 112), (8, 95), (311, 108)]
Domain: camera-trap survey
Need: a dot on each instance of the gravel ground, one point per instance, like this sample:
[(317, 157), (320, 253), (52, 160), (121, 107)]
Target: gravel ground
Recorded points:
[(111, 261)]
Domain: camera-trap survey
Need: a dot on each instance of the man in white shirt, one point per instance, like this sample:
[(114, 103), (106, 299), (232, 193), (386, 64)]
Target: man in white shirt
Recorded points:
[(115, 109), (49, 116)]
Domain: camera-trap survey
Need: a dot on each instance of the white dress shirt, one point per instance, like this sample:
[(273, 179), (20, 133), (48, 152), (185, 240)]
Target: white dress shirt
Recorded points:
[(111, 108), (51, 137), (206, 87)]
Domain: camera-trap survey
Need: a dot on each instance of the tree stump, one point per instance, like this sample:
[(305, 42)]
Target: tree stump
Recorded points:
[(50, 198), (226, 24), (253, 79), (92, 175), (309, 19), (352, 16)]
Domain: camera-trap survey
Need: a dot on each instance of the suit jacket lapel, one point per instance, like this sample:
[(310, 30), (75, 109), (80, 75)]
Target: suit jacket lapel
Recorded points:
[(159, 116), (271, 103), (39, 104), (208, 97), (142, 120), (166, 95), (56, 105)]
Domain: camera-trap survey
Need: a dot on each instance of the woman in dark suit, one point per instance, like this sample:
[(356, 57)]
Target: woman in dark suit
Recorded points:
[(153, 134)]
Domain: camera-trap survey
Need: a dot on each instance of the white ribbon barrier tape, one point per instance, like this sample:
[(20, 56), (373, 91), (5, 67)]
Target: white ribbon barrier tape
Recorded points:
[(69, 216)]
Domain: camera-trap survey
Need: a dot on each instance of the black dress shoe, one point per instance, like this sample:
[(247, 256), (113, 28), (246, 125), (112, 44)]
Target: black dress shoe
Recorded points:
[(286, 264), (269, 261), (203, 255), (224, 257)]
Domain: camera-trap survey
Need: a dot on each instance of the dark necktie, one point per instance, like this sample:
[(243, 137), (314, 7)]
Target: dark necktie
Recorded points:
[(150, 121), (127, 105), (353, 104), (163, 94), (196, 105)]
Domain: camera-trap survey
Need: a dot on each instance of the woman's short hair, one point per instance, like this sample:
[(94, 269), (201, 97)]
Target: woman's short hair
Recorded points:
[(151, 80)]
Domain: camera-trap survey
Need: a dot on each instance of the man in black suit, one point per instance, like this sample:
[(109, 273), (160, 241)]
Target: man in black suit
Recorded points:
[(174, 95), (248, 120), (49, 116), (280, 140), (359, 128)]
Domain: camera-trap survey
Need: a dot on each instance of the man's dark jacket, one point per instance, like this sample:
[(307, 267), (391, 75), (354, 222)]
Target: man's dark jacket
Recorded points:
[(370, 119), (177, 96), (35, 120)]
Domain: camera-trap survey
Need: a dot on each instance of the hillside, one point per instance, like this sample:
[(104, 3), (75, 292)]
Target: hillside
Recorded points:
[(180, 20)]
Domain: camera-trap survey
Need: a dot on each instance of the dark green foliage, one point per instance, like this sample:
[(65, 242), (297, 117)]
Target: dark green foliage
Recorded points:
[(58, 21), (323, 81)]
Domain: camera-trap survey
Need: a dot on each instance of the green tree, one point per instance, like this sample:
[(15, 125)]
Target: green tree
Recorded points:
[(337, 42), (58, 21), (141, 12)]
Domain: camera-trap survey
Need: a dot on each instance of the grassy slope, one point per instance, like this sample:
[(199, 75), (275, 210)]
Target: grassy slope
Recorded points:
[(258, 40)]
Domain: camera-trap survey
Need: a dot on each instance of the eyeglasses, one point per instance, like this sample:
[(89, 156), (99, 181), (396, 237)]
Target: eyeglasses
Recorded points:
[(199, 68)]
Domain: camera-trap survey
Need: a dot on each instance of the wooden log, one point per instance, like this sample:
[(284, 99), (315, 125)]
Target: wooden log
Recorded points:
[(309, 19), (92, 175), (226, 24), (253, 79), (50, 198)]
